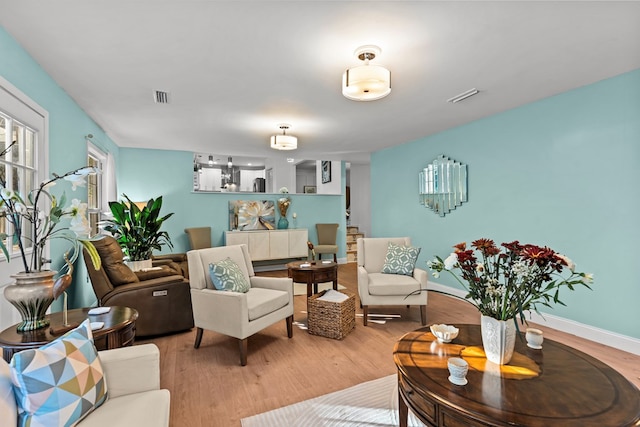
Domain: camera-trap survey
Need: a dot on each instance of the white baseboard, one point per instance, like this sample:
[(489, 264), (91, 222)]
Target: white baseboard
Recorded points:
[(591, 333)]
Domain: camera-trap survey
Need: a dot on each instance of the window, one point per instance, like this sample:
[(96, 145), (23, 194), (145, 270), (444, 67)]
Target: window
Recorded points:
[(17, 169), (21, 169), (94, 192), (100, 187)]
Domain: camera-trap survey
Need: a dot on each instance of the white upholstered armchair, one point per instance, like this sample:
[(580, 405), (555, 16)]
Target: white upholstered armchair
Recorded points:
[(377, 288), (237, 314)]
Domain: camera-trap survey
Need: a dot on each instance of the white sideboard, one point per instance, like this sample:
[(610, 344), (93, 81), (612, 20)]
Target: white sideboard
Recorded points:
[(271, 244)]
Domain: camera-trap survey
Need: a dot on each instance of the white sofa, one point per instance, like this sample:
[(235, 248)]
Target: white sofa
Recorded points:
[(133, 384)]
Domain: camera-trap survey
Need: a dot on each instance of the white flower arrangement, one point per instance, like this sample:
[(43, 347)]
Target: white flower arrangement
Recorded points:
[(35, 221)]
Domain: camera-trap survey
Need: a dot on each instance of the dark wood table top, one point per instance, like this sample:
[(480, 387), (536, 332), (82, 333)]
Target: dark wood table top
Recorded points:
[(555, 386), (313, 272), (313, 265), (116, 318)]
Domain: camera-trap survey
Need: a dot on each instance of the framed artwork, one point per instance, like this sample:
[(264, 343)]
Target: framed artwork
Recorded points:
[(326, 171), (309, 189), (252, 215)]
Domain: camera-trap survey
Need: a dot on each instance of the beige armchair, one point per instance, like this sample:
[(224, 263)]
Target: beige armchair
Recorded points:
[(199, 237), (237, 314), (327, 237), (377, 288)]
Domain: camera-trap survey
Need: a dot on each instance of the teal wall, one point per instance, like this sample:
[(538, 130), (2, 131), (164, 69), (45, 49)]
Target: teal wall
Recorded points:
[(561, 172), (68, 125), (151, 173)]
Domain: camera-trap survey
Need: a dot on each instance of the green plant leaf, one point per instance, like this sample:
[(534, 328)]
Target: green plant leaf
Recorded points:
[(93, 253), (3, 236), (137, 230)]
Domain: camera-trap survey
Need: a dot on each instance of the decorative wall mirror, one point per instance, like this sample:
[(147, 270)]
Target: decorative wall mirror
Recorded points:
[(443, 185)]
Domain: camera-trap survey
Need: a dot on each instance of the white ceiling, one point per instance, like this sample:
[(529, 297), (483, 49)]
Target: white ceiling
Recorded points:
[(235, 70)]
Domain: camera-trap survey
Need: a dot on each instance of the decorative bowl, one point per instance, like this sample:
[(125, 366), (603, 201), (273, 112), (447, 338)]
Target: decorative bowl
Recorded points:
[(444, 333)]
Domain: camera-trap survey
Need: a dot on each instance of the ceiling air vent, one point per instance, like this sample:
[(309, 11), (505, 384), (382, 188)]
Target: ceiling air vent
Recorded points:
[(464, 95), (161, 97)]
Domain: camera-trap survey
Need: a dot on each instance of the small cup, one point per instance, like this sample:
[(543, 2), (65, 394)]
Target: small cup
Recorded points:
[(534, 338), (458, 368)]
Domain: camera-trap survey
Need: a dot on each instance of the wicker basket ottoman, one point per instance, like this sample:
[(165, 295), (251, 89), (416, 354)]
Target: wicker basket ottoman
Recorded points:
[(331, 319)]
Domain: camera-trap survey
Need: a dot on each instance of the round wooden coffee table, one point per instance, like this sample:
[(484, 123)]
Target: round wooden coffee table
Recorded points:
[(119, 330), (314, 272), (553, 387)]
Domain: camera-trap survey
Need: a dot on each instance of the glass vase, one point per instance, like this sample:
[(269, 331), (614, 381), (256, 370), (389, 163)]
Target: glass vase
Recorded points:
[(283, 223)]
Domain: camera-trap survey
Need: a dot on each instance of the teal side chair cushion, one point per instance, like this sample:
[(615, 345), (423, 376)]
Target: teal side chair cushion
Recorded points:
[(227, 276), (400, 259), (59, 383)]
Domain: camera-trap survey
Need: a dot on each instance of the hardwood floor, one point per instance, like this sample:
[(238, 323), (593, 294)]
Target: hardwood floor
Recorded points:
[(210, 388)]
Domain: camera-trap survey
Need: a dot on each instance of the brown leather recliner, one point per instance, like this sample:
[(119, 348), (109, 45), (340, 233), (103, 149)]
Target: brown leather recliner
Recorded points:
[(161, 297), (176, 261)]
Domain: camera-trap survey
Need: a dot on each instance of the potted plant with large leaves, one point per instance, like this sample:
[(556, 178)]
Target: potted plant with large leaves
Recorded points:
[(137, 230)]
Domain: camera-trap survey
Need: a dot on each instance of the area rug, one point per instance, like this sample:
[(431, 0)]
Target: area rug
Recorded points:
[(373, 403), (301, 288)]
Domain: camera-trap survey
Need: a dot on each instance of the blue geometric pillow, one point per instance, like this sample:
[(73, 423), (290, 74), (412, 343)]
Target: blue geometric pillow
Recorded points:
[(400, 259), (227, 276), (59, 383)]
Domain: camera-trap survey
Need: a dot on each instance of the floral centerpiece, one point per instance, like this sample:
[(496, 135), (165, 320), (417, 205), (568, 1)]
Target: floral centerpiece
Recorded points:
[(35, 219), (504, 283), (283, 207)]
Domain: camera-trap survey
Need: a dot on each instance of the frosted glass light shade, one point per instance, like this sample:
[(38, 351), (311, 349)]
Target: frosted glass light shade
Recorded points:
[(366, 83), (284, 142)]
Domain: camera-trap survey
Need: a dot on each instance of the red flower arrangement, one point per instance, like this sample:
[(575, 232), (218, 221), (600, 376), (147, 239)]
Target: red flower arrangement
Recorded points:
[(504, 282)]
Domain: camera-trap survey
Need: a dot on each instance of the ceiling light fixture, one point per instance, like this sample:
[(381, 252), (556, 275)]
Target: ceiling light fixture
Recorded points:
[(366, 82), (229, 162), (463, 95), (210, 160), (284, 141)]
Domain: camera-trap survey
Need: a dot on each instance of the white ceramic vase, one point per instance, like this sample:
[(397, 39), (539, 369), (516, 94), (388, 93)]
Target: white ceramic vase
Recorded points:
[(498, 339)]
